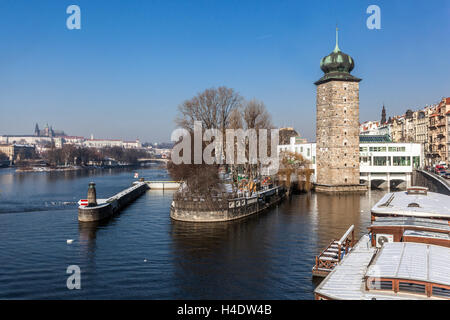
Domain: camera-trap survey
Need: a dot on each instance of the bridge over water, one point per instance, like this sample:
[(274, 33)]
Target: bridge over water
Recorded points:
[(432, 181), (152, 160)]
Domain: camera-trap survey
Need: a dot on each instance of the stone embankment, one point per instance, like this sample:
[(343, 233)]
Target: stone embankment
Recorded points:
[(226, 207), (96, 211)]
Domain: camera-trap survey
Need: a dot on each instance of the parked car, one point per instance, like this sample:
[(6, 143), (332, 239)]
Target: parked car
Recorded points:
[(442, 173), (447, 175), (438, 169)]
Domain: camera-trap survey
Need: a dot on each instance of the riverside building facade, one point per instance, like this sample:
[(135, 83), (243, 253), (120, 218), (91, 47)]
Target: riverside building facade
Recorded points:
[(428, 126), (382, 163)]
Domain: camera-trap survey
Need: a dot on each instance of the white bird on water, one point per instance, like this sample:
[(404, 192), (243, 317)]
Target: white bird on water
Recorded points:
[(69, 241)]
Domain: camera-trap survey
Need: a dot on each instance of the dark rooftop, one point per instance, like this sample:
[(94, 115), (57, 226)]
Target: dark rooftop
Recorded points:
[(372, 139)]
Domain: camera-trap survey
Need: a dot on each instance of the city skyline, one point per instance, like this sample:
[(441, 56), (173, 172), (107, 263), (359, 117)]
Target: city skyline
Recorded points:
[(131, 68)]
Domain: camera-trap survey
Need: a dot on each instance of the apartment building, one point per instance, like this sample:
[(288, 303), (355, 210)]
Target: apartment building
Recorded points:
[(438, 133)]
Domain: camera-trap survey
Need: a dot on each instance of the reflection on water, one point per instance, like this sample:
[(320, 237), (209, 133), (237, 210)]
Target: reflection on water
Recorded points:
[(142, 253)]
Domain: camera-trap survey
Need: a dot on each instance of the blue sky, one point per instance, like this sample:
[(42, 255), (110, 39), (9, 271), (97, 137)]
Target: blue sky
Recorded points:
[(133, 62)]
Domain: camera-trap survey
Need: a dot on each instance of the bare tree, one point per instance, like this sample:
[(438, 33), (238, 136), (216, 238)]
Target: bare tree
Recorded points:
[(291, 164), (221, 109), (3, 156), (199, 178), (235, 121), (212, 107), (256, 116)]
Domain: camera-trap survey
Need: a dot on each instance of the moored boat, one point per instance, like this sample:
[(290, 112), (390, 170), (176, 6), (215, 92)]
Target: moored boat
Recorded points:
[(405, 255)]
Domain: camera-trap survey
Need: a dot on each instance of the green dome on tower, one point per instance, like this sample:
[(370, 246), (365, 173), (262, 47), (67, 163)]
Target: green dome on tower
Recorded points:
[(337, 65)]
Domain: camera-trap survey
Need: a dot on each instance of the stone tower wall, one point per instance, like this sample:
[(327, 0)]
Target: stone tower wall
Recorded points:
[(337, 134)]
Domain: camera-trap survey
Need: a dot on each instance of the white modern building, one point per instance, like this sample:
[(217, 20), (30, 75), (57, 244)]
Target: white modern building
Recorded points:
[(106, 143), (382, 163)]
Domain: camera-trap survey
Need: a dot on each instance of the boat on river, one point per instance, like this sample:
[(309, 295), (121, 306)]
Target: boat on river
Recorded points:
[(405, 255)]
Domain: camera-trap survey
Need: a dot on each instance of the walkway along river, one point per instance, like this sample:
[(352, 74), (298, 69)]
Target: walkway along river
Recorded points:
[(142, 253)]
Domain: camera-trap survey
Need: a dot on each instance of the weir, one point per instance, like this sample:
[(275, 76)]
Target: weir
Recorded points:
[(163, 185)]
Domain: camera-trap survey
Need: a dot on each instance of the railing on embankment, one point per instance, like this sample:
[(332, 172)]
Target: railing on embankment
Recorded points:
[(224, 207), (433, 182)]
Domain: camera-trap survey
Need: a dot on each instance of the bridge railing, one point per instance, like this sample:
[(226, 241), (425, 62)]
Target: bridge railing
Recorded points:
[(437, 178)]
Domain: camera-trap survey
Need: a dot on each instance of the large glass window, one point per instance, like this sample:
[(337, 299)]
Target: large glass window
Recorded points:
[(362, 149), (416, 162), (377, 149), (365, 161), (402, 161), (397, 149), (379, 161)]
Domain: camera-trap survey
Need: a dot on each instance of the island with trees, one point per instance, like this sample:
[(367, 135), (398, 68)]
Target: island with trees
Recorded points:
[(220, 191)]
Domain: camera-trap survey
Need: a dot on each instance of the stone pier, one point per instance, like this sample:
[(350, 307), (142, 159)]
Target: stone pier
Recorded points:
[(96, 211)]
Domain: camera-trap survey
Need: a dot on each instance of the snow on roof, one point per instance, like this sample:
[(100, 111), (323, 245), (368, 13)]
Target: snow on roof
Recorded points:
[(412, 261), (406, 260), (434, 224), (429, 205), (426, 234), (345, 281)]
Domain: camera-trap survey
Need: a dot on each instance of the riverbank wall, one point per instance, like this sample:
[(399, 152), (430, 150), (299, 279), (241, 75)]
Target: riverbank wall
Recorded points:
[(357, 188), (431, 181), (112, 205), (222, 208)]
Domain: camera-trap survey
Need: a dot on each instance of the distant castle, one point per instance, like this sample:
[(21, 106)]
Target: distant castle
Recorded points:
[(47, 132)]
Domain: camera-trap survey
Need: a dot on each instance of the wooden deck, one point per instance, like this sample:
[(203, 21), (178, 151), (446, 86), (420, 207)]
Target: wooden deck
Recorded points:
[(327, 260)]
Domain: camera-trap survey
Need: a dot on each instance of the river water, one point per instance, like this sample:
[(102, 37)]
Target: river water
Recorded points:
[(143, 254)]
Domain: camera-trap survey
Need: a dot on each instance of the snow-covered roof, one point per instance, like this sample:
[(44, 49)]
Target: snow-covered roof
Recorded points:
[(432, 205), (426, 234), (432, 224), (412, 261), (405, 260)]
